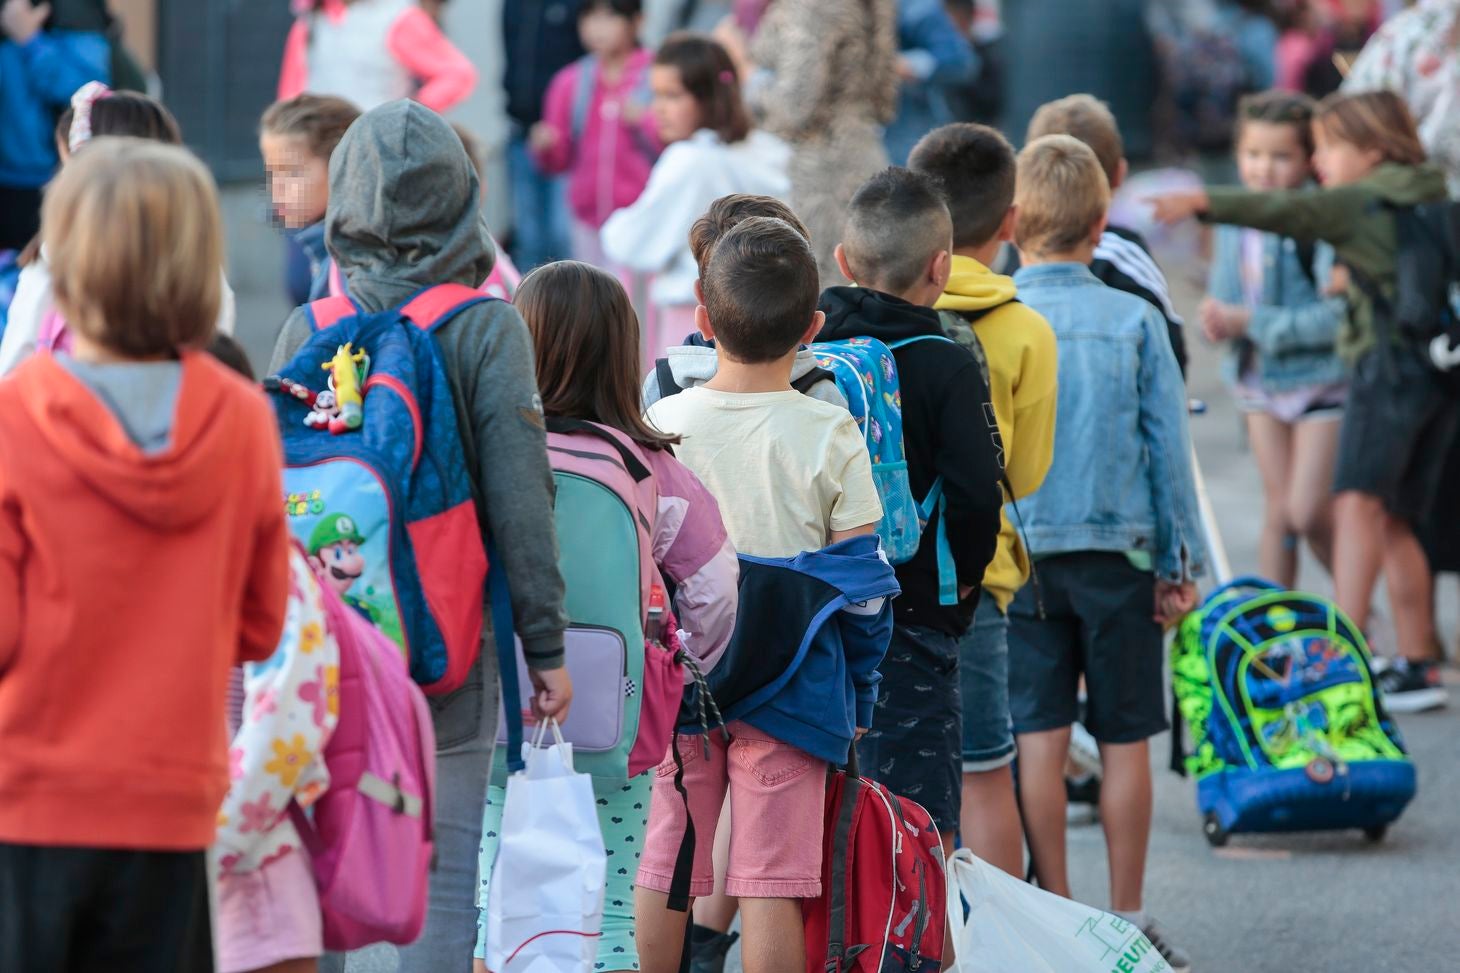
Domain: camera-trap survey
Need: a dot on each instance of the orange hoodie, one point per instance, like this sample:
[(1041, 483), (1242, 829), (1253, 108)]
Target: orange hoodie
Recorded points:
[(129, 584)]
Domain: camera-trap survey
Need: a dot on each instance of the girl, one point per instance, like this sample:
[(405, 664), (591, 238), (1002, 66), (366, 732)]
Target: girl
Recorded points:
[(586, 338), (139, 442), (371, 52), (1265, 300), (95, 110), (296, 138), (1400, 421), (596, 125), (712, 152)]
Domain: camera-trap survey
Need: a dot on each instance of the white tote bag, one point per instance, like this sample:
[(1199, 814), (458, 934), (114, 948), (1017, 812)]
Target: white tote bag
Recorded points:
[(1011, 925), (545, 906)]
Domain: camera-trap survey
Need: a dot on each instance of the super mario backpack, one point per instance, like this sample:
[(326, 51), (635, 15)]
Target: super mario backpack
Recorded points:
[(375, 478), (1286, 729)]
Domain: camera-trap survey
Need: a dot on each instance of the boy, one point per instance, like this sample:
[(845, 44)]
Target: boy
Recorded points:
[(975, 166), (1115, 525), (431, 232), (791, 474), (897, 247), (1122, 258)]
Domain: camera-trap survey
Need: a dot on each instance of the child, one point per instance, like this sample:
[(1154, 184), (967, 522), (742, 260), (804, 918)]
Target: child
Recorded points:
[(371, 52), (140, 441), (596, 122), (760, 306), (577, 315), (1115, 526), (1122, 258), (296, 138), (712, 152), (1400, 421), (434, 234), (975, 165), (897, 247), (1266, 299), (95, 110), (694, 362)]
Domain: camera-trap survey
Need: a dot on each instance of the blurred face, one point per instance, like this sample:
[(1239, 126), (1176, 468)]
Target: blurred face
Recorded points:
[(299, 180), (606, 34), (1271, 156), (675, 110), (1340, 163)]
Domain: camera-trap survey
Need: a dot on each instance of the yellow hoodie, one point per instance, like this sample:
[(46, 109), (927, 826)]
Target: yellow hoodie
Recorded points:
[(1019, 346)]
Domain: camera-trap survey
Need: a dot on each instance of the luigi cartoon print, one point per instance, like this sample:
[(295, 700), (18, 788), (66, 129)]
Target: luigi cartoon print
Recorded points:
[(334, 548)]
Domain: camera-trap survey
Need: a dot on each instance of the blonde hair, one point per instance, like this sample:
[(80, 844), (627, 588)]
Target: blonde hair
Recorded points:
[(134, 241), (1379, 121), (1088, 119), (1061, 193)]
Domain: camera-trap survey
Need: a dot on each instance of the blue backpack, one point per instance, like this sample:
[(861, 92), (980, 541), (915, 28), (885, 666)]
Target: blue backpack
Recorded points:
[(375, 478), (866, 372)]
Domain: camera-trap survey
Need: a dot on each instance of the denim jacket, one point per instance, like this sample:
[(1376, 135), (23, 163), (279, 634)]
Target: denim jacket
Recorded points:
[(1291, 339), (1122, 477)]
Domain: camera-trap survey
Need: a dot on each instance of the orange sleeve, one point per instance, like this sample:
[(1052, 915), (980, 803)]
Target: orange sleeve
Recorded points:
[(294, 72), (266, 591), (446, 76)]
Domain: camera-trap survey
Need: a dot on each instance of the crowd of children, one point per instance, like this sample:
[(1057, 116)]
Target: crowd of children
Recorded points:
[(1044, 454)]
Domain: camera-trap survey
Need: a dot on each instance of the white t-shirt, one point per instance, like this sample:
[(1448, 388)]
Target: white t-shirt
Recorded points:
[(786, 469)]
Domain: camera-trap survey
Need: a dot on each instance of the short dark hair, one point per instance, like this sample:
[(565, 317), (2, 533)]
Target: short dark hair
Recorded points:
[(896, 223), (975, 166), (627, 9), (728, 212), (761, 290), (708, 74), (125, 113), (1278, 107)]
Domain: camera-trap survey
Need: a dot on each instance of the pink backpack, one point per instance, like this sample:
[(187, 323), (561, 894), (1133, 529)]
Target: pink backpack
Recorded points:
[(369, 836), (54, 334)]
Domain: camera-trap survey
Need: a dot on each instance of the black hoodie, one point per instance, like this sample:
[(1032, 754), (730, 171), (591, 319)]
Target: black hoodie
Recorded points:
[(947, 430)]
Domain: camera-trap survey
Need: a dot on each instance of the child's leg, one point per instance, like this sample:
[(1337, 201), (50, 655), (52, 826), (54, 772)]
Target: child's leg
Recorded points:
[(1272, 447), (990, 816), (1411, 591), (660, 930), (1042, 796), (1310, 485), (1125, 811), (717, 910), (778, 798), (1358, 552)]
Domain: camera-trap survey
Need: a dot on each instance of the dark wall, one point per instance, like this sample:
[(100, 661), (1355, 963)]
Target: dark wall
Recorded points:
[(219, 62)]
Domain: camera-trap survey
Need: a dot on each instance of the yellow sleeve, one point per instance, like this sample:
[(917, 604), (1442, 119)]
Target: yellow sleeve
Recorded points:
[(1036, 398)]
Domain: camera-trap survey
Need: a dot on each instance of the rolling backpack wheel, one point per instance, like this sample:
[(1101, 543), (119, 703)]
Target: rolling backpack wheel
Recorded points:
[(1376, 833), (1216, 834)]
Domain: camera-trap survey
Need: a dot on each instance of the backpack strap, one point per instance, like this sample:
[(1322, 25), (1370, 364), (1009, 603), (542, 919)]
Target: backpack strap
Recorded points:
[(586, 79), (329, 311), (435, 306), (811, 379), (503, 631), (665, 376), (947, 568), (917, 338), (632, 463)]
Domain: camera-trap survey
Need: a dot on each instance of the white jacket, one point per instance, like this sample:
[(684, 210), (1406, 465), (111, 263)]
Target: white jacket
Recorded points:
[(652, 236)]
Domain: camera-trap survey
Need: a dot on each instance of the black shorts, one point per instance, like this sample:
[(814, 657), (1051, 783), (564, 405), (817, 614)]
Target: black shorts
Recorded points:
[(1098, 623), (1397, 432)]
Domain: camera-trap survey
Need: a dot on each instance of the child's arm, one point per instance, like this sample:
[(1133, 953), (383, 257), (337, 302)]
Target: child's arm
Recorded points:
[(970, 462), (648, 235), (294, 71), (1303, 214), (552, 138), (693, 550), (57, 64), (12, 548), (446, 76), (1180, 552), (267, 588), (1036, 397)]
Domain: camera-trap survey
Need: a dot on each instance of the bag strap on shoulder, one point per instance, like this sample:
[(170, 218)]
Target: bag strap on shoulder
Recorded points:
[(329, 311), (664, 375), (811, 379), (435, 306), (632, 463)]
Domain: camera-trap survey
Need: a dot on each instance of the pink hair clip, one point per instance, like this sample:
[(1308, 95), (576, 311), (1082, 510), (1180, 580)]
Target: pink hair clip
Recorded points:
[(727, 77), (82, 102)]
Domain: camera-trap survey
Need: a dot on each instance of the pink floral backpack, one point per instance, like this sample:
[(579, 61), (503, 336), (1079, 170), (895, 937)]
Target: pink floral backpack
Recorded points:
[(369, 836)]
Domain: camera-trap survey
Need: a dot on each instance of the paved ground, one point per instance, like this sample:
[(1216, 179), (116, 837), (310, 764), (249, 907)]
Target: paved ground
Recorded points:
[(1271, 904)]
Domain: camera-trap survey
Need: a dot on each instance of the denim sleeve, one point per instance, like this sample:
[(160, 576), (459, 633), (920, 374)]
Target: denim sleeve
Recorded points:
[(1180, 552), (1224, 281), (926, 27), (1310, 325), (60, 62)]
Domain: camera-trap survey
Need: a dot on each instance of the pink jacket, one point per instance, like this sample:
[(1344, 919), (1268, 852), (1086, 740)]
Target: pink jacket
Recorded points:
[(609, 161), (446, 76)]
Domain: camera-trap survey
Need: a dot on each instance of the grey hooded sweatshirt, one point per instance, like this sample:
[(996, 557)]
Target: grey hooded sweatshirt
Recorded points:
[(404, 214)]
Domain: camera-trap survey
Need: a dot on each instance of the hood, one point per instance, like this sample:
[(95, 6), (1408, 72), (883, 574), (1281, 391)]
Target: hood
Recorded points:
[(1401, 185), (405, 210), (167, 491), (973, 287), (856, 312), (694, 363)]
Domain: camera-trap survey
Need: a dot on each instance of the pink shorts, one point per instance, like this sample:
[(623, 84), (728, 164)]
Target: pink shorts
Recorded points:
[(268, 916), (777, 802)]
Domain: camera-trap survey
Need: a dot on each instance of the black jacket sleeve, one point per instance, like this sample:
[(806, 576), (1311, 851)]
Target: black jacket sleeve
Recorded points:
[(970, 458)]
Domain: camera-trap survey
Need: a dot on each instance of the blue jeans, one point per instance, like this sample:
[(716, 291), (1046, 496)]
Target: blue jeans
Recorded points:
[(983, 682), (540, 228)]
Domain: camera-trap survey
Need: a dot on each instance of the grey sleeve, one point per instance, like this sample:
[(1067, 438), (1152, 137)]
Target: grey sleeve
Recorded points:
[(291, 338), (515, 480)]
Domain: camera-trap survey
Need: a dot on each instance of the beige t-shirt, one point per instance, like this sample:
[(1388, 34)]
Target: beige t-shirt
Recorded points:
[(786, 469)]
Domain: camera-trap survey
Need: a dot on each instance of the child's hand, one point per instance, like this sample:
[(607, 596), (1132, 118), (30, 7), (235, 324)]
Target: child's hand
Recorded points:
[(553, 695), (861, 732), (1220, 321), (542, 137), (20, 21), (1174, 601), (1175, 207), (1339, 281)]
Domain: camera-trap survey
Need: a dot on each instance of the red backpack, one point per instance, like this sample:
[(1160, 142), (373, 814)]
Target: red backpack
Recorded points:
[(883, 893)]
